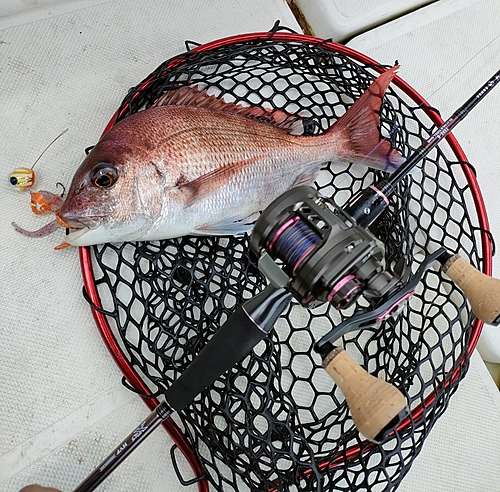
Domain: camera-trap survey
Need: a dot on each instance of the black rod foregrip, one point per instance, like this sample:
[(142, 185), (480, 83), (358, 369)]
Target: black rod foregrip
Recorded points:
[(235, 339)]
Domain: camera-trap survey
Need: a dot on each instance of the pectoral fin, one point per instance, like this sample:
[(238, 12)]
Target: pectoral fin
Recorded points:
[(211, 182)]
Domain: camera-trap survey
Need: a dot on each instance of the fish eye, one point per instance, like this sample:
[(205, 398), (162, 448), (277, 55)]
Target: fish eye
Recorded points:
[(104, 175)]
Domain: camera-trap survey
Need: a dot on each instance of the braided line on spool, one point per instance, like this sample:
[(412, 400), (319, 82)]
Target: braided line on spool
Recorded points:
[(293, 242)]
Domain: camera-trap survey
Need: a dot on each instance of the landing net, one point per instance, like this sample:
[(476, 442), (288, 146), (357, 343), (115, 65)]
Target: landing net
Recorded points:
[(276, 421)]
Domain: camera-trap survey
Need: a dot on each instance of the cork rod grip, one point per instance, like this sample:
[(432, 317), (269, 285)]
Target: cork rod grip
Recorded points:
[(482, 291), (374, 403)]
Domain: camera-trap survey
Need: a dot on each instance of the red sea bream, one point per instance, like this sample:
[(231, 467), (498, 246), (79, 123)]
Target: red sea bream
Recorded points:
[(197, 165)]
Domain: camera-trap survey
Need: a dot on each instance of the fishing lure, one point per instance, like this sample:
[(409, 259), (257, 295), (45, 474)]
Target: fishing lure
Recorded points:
[(23, 178), (45, 201), (41, 203)]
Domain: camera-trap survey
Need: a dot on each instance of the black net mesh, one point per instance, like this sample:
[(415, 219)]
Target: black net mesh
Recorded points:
[(277, 421)]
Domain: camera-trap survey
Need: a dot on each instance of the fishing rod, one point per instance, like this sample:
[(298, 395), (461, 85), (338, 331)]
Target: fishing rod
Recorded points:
[(317, 253)]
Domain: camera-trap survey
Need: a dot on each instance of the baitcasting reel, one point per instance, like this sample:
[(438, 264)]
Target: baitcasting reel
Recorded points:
[(320, 253), (326, 255)]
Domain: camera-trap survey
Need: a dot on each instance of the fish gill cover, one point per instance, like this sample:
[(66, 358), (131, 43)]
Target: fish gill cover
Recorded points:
[(276, 421)]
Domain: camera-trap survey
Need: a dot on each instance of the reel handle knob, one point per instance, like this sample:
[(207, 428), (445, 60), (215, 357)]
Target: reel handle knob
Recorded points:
[(482, 291), (376, 406)]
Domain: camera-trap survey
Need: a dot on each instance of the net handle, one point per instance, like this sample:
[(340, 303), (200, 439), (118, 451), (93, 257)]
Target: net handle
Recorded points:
[(486, 246)]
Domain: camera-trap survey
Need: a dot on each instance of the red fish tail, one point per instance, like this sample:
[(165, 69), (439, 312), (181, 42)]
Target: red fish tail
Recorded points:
[(359, 128)]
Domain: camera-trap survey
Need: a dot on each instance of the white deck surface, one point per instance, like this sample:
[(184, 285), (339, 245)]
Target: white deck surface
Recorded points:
[(340, 20), (68, 65)]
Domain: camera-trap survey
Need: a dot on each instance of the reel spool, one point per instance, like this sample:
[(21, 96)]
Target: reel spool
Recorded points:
[(276, 421)]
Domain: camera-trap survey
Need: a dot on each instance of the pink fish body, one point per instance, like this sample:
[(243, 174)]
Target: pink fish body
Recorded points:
[(198, 165)]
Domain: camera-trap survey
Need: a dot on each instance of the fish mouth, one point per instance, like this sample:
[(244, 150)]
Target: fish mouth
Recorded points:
[(76, 222), (73, 237), (78, 235)]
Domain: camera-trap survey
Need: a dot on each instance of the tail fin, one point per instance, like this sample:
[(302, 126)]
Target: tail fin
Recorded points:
[(359, 126)]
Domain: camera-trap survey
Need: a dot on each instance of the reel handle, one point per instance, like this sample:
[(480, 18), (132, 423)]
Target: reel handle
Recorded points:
[(482, 291), (376, 406)]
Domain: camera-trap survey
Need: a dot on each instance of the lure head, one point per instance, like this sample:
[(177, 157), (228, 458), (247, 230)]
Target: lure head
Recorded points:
[(22, 178)]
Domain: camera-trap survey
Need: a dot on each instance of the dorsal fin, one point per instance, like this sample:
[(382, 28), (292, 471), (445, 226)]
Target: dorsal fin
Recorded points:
[(193, 96)]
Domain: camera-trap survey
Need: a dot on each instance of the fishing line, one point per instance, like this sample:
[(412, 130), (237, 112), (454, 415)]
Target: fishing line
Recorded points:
[(462, 67), (48, 146)]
